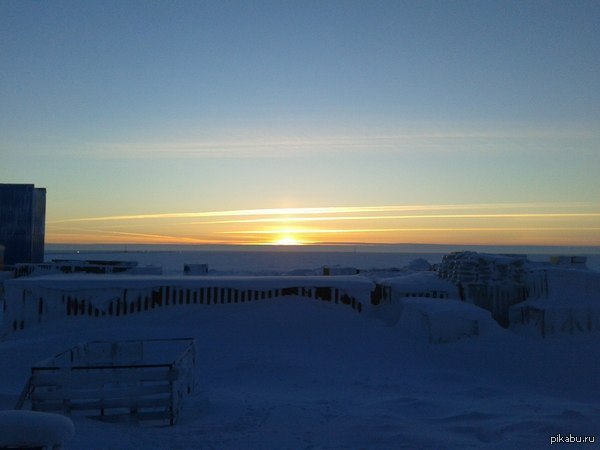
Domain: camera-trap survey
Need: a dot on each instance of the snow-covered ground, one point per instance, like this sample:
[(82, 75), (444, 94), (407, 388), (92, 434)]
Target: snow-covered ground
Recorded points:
[(301, 373)]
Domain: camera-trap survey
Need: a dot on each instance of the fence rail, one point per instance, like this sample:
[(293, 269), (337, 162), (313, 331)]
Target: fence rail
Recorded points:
[(82, 380)]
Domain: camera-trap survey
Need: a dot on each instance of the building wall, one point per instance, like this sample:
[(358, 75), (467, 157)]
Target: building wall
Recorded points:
[(38, 225), (22, 222)]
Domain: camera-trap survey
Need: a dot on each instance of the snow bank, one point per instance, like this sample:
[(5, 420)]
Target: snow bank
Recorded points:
[(439, 321), (583, 284), (419, 264), (420, 284), (338, 270), (28, 429), (425, 307), (390, 292)]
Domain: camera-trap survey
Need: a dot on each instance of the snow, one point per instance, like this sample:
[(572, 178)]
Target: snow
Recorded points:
[(420, 282), (33, 429), (296, 372), (95, 282), (441, 321)]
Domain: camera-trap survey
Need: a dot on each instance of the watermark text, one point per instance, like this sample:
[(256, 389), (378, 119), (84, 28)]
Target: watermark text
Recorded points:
[(571, 439)]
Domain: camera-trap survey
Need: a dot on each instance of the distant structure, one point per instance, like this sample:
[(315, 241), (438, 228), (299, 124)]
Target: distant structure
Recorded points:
[(22, 223), (494, 282), (195, 269)]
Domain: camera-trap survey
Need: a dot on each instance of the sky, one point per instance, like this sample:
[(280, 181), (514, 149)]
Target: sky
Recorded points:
[(225, 122)]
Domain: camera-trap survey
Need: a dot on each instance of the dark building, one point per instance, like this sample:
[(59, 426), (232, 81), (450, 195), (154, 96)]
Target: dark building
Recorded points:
[(22, 223)]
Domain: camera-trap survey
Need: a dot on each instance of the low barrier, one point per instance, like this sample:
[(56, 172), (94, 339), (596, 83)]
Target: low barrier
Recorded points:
[(31, 301), (132, 380)]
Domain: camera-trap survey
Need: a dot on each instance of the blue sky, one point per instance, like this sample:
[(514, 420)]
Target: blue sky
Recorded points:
[(151, 108)]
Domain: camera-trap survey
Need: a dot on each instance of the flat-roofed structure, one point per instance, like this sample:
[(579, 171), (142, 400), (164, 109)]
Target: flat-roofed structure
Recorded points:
[(22, 223)]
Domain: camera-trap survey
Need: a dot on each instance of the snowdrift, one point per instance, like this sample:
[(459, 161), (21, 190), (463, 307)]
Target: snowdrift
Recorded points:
[(30, 429), (443, 321)]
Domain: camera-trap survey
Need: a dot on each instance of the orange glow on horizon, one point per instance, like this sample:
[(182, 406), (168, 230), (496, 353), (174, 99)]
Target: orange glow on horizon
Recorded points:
[(469, 224)]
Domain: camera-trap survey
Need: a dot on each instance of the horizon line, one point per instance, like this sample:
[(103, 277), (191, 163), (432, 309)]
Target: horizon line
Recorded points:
[(314, 244)]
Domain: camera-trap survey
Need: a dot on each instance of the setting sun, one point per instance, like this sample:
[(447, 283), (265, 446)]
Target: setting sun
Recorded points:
[(287, 240)]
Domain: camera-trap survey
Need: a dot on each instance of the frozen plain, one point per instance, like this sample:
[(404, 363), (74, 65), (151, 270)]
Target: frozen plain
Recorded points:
[(297, 373)]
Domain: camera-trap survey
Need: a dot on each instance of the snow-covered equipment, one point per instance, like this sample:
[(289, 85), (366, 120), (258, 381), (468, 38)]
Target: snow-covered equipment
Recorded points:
[(195, 269), (32, 429), (337, 270)]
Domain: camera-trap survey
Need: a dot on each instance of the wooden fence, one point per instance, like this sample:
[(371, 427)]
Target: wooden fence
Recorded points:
[(127, 380), (28, 304)]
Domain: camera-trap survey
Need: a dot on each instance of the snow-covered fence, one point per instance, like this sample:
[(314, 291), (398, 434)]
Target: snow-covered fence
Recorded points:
[(549, 319), (571, 306), (139, 380), (499, 297), (30, 301), (496, 298)]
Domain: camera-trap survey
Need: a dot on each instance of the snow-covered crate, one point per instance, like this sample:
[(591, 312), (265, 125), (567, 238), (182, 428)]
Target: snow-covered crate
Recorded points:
[(142, 380)]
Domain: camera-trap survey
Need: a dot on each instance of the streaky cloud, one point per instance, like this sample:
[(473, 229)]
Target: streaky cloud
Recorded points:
[(320, 210), (388, 230), (290, 144), (403, 217)]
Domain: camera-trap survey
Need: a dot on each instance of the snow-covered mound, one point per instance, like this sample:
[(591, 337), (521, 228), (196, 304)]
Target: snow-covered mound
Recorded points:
[(439, 321), (31, 429), (425, 307)]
